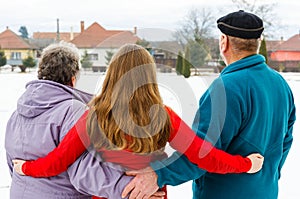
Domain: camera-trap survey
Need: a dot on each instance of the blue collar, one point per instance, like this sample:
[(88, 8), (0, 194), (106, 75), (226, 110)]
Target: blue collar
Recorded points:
[(247, 62)]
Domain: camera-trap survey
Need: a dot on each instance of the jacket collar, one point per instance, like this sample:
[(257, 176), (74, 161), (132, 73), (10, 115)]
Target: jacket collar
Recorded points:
[(244, 63), (42, 95)]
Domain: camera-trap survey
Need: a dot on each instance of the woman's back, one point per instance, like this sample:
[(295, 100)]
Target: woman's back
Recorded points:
[(34, 129)]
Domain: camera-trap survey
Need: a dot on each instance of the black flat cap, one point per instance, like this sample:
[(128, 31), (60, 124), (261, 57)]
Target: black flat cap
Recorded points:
[(241, 24)]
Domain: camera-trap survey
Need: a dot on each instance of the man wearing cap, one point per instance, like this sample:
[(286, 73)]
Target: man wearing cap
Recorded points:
[(248, 108)]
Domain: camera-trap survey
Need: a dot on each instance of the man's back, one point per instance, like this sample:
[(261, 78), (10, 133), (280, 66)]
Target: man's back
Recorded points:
[(249, 108), (259, 115)]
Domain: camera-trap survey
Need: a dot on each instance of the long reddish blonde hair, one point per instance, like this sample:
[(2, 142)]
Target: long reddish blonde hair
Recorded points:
[(129, 112)]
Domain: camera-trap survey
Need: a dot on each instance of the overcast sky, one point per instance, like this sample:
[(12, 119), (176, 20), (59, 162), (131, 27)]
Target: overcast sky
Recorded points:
[(41, 15)]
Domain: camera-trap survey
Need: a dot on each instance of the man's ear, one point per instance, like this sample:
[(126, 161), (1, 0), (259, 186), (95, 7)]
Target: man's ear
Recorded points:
[(223, 43)]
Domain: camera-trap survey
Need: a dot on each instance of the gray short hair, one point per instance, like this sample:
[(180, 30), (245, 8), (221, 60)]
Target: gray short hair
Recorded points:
[(59, 63), (239, 44)]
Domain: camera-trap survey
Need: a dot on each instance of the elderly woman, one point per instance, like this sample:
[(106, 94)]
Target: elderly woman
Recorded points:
[(46, 111)]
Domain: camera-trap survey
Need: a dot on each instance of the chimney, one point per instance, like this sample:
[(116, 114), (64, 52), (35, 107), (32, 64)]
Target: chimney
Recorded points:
[(6, 27), (71, 34), (135, 30), (81, 26), (57, 32), (281, 39)]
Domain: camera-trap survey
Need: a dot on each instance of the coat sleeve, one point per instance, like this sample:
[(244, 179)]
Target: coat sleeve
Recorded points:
[(89, 175), (175, 170), (9, 163), (288, 139), (57, 161)]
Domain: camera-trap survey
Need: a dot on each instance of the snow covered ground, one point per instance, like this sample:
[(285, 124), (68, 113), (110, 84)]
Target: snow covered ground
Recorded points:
[(179, 93)]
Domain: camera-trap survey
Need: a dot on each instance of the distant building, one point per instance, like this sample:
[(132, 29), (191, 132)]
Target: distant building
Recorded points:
[(286, 55), (15, 48), (170, 49), (95, 40), (44, 39), (165, 54)]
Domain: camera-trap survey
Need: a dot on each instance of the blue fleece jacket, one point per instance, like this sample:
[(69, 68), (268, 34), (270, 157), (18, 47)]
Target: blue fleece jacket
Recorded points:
[(249, 108)]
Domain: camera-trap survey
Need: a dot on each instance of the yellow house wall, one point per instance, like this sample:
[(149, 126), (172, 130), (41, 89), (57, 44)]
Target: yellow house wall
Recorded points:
[(24, 53)]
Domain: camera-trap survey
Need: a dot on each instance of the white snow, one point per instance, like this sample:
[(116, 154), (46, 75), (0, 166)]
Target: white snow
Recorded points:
[(179, 93)]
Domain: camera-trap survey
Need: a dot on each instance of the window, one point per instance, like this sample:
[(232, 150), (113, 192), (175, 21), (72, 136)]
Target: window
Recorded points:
[(93, 57), (15, 55)]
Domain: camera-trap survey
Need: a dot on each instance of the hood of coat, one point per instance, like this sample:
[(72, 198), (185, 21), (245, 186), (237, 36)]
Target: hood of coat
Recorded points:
[(41, 95)]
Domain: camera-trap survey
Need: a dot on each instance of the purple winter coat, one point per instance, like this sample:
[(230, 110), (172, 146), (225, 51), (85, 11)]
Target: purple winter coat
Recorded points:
[(45, 113)]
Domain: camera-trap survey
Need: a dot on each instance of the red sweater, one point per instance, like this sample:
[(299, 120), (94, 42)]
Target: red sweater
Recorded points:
[(182, 138)]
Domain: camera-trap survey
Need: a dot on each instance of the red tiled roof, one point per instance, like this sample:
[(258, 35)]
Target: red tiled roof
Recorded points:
[(292, 44), (118, 39), (66, 36), (288, 50), (273, 45), (10, 40), (97, 36)]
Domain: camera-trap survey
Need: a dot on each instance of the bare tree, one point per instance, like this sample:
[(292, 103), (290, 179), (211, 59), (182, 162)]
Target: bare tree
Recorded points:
[(196, 25), (265, 10)]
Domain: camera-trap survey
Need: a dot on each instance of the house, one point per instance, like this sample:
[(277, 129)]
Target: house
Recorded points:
[(43, 39), (165, 54), (97, 42), (170, 49), (15, 48), (272, 45), (286, 56)]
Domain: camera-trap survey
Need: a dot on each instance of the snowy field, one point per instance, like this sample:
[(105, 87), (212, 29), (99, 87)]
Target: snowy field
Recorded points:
[(180, 94)]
